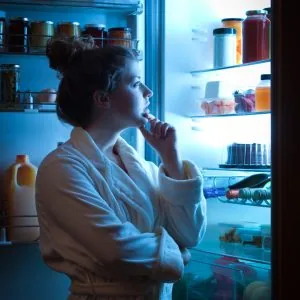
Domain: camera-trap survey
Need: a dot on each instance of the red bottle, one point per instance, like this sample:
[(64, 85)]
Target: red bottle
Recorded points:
[(256, 36)]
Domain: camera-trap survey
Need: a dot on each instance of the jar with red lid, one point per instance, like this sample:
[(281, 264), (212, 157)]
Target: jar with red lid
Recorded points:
[(18, 30), (120, 36), (256, 36), (97, 31)]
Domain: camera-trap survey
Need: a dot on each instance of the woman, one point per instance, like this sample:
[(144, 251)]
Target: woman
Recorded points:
[(113, 222)]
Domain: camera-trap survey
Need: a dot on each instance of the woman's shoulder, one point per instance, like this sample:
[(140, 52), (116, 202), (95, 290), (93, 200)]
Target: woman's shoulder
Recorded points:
[(62, 157)]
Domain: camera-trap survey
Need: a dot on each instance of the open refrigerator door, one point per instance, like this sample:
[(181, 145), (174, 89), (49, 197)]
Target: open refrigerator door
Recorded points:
[(210, 99)]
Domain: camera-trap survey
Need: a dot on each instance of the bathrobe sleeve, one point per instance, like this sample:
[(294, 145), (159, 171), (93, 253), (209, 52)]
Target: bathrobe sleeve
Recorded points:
[(82, 225), (182, 205)]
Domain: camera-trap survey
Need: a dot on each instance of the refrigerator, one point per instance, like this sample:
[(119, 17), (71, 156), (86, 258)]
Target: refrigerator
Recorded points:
[(176, 43)]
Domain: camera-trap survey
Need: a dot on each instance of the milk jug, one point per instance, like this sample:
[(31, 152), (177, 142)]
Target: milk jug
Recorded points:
[(20, 201)]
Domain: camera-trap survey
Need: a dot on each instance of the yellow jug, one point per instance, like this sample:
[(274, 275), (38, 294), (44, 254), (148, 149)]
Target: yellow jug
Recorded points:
[(20, 201)]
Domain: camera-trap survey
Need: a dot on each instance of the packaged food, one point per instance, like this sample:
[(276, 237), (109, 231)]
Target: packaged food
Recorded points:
[(120, 36), (20, 200), (224, 47), (40, 33), (2, 34), (218, 106), (237, 24), (256, 36), (97, 31), (245, 101), (9, 83), (18, 30), (263, 93), (68, 29)]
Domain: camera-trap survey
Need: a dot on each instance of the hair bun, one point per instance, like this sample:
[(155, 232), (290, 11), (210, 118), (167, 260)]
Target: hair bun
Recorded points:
[(62, 51)]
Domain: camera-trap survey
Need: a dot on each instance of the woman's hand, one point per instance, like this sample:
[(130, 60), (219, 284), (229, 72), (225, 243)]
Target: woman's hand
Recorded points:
[(162, 137)]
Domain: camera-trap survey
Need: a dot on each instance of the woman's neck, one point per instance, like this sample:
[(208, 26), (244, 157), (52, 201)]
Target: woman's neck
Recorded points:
[(104, 138)]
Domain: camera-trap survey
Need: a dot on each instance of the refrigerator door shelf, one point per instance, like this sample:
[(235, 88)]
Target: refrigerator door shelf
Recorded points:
[(128, 5), (199, 72)]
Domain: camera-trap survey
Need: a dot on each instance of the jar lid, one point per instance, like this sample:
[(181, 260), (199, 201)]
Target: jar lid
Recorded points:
[(256, 12), (10, 66), (224, 31), (119, 28), (68, 23), (94, 25), (232, 19), (19, 19), (265, 77), (42, 22), (22, 158)]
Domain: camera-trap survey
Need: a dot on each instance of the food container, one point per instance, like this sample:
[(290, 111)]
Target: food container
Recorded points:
[(97, 32), (40, 33), (18, 30), (250, 236), (120, 36), (68, 29), (237, 24), (224, 47), (266, 237), (256, 36), (9, 83)]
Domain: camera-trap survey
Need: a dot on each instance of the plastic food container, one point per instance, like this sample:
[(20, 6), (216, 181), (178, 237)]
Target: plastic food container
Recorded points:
[(266, 237), (250, 236)]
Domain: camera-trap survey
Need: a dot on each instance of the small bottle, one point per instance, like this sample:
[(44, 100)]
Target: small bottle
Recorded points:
[(263, 93), (224, 47)]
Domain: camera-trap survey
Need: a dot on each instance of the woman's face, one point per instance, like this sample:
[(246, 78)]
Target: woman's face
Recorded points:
[(130, 100)]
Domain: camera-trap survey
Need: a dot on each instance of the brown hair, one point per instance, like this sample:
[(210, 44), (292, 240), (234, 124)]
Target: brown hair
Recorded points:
[(84, 68)]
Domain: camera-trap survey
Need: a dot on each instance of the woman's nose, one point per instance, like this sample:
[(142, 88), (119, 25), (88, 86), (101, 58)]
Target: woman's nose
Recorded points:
[(147, 92)]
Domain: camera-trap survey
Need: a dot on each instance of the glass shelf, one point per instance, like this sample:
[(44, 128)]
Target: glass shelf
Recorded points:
[(125, 5), (231, 115), (198, 72)]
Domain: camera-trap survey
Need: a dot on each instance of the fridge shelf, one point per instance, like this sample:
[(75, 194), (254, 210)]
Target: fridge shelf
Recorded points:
[(249, 202), (4, 225), (133, 6), (30, 49), (199, 72), (30, 102), (217, 187), (230, 115)]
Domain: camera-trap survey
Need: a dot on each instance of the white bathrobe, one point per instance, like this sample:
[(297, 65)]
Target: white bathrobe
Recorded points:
[(116, 235)]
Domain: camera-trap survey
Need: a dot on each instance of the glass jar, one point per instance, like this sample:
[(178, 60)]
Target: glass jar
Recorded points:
[(40, 33), (263, 93), (255, 36), (9, 83), (2, 34), (97, 31), (224, 47), (269, 16), (120, 36), (18, 35), (236, 23), (68, 29)]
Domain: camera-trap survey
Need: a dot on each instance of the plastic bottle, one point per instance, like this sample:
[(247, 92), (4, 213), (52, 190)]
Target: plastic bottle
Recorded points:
[(263, 93), (20, 196)]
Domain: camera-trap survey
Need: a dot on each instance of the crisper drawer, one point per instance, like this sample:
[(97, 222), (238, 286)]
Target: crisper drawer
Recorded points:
[(210, 276)]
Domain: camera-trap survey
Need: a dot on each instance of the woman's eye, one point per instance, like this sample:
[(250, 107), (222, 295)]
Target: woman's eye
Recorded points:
[(137, 84)]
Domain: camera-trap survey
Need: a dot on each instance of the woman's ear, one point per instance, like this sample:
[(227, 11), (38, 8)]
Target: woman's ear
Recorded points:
[(101, 99)]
